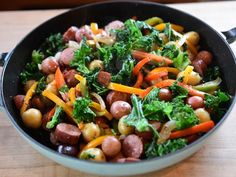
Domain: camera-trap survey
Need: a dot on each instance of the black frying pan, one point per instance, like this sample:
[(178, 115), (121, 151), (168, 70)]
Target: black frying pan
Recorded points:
[(103, 13)]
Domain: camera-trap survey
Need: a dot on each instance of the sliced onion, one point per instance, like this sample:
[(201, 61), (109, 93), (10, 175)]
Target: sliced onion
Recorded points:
[(74, 45), (166, 131), (100, 100), (99, 113), (104, 39)]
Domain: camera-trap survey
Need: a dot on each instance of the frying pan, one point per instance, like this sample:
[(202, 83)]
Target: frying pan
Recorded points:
[(103, 13)]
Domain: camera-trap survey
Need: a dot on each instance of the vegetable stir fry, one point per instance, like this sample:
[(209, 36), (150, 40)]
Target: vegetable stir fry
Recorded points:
[(132, 90)]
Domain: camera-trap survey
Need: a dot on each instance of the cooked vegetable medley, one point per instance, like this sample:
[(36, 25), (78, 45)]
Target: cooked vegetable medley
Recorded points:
[(129, 91)]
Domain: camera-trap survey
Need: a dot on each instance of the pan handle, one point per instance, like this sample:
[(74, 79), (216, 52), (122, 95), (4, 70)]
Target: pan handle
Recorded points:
[(2, 61), (230, 35)]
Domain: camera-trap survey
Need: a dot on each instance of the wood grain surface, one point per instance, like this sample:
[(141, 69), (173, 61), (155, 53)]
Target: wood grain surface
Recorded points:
[(217, 158)]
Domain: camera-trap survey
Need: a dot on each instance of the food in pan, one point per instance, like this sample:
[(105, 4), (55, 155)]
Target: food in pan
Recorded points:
[(130, 91)]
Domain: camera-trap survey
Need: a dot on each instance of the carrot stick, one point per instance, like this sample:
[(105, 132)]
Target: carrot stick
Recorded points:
[(140, 55), (139, 80), (169, 69), (200, 128), (59, 78), (157, 75), (165, 83), (192, 91), (51, 113)]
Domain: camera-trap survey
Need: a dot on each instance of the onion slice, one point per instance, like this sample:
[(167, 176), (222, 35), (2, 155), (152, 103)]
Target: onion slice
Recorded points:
[(100, 100)]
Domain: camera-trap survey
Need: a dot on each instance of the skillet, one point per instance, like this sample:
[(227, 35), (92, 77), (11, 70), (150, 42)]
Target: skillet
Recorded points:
[(103, 13)]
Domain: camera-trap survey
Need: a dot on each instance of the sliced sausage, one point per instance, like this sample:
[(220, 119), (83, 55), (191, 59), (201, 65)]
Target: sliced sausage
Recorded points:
[(111, 146), (67, 133), (69, 77), (68, 150), (147, 135), (199, 66), (104, 78), (132, 146), (116, 96), (205, 56), (49, 65), (53, 139), (113, 26), (120, 109), (18, 100), (128, 159), (69, 35), (67, 55), (83, 32), (37, 102)]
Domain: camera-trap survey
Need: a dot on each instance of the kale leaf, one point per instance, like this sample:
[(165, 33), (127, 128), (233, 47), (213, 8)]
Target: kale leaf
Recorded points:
[(183, 115), (53, 44), (31, 70), (93, 84), (156, 150), (213, 102), (56, 118), (81, 111), (41, 85), (124, 75), (180, 59), (82, 57), (178, 91), (211, 73), (137, 119)]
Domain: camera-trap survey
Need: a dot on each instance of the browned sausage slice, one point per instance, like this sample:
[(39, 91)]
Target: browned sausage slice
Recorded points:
[(49, 65), (83, 32), (114, 25), (67, 56), (18, 100), (132, 146), (114, 96), (70, 78), (67, 133), (104, 78), (70, 34)]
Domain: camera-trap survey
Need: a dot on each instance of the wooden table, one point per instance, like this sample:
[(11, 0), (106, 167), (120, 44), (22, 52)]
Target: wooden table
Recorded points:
[(217, 158)]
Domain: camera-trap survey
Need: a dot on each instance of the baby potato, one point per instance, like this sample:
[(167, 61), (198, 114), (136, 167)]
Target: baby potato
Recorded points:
[(202, 115), (192, 37), (32, 118), (90, 131), (194, 78), (96, 64), (94, 154), (123, 128)]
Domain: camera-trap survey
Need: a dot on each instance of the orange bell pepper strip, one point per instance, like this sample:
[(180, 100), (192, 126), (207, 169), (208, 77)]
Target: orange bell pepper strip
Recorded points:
[(96, 142), (59, 78), (140, 64), (139, 55), (139, 80), (58, 101), (162, 26), (187, 73), (165, 83), (27, 98), (200, 128), (124, 89), (169, 69)]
